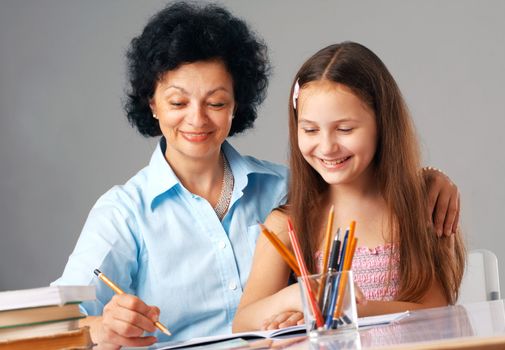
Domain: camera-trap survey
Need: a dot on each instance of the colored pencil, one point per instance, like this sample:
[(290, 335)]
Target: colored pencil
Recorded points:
[(304, 274), (343, 282), (332, 268), (352, 228), (281, 249), (326, 254), (332, 303)]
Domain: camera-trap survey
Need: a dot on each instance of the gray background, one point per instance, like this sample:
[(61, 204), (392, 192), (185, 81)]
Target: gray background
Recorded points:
[(64, 139)]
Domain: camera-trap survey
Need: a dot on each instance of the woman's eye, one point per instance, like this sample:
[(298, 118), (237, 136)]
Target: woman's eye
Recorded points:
[(217, 105), (176, 103)]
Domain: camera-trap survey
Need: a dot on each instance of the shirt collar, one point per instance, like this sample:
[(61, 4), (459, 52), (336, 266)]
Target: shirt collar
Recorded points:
[(245, 165), (161, 178)]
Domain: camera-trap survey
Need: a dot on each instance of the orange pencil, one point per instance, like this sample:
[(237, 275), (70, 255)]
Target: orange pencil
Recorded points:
[(303, 268), (352, 228), (326, 253), (118, 290), (343, 282), (282, 249)]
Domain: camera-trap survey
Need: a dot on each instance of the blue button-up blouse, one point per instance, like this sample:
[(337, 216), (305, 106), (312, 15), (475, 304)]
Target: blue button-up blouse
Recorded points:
[(166, 245)]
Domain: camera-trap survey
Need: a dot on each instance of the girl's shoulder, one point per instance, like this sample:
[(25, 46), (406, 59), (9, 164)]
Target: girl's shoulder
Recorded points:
[(276, 222)]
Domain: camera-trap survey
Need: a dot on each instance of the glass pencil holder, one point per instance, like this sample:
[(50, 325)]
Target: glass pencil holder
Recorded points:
[(329, 303)]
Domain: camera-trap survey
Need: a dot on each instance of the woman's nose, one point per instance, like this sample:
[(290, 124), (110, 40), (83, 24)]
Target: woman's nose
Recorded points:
[(197, 116)]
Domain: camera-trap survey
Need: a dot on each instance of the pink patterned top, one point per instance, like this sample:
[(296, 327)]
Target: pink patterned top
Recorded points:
[(371, 271)]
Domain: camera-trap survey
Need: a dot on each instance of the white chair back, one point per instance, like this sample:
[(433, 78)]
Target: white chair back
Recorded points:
[(481, 280)]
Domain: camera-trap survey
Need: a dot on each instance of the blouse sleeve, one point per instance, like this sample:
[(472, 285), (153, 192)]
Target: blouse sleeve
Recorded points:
[(108, 243)]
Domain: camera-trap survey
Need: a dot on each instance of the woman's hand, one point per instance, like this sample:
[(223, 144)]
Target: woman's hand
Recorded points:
[(443, 201), (125, 319), (283, 320)]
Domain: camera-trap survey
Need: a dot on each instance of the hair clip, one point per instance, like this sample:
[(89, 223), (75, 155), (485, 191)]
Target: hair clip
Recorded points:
[(296, 92)]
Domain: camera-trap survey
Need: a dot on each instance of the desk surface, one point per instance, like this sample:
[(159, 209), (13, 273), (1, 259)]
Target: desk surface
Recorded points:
[(471, 326)]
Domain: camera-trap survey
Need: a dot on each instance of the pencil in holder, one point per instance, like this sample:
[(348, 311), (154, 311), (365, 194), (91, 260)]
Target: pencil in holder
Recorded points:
[(338, 306)]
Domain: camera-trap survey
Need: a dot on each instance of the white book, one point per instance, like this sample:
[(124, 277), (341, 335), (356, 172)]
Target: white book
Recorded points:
[(34, 315), (52, 295), (38, 330), (225, 337), (363, 322), (373, 321)]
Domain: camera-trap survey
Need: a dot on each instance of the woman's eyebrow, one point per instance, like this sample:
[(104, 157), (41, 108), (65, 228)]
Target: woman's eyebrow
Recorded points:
[(220, 88), (185, 92), (178, 88)]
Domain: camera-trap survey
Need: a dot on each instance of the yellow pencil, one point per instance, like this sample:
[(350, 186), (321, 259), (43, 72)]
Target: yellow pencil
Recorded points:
[(282, 249), (118, 290), (328, 238), (326, 254)]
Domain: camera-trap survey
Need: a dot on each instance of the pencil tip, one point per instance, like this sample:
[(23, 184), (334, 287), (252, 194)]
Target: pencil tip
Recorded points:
[(97, 272), (166, 331)]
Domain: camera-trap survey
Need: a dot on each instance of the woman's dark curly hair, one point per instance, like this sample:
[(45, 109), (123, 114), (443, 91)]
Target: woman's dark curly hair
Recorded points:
[(184, 33)]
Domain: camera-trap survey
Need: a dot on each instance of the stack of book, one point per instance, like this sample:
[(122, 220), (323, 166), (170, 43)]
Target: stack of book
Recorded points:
[(44, 318)]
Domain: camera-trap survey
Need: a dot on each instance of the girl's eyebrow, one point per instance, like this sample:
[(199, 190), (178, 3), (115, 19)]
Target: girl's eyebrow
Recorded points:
[(304, 120)]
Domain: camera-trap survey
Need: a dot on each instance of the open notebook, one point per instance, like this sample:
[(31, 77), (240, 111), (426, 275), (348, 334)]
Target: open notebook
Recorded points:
[(243, 335), (363, 322)]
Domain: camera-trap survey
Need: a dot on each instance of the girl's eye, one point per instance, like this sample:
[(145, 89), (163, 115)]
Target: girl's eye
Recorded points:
[(345, 129), (310, 131)]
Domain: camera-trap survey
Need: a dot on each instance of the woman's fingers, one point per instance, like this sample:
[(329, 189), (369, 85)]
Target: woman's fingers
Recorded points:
[(443, 202), (455, 224), (433, 188), (131, 302), (153, 314), (111, 337), (125, 319), (140, 321)]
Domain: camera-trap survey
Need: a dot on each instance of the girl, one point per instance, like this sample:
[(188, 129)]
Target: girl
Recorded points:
[(353, 146)]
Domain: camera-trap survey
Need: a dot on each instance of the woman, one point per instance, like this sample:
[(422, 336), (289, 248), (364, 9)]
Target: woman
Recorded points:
[(181, 233)]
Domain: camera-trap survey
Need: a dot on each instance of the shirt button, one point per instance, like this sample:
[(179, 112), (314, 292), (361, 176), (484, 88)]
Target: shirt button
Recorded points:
[(222, 244), (232, 286)]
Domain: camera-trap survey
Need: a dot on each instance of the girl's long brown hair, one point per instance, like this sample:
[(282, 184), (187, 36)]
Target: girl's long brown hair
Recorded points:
[(424, 258)]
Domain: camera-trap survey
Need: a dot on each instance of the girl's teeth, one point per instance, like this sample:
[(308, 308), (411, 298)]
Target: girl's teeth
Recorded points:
[(334, 162)]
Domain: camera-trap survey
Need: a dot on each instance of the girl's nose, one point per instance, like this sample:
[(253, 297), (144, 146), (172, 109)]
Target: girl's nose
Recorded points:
[(328, 144)]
